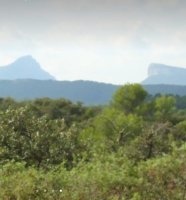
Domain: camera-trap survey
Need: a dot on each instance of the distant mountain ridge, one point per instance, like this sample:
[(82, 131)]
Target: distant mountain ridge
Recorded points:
[(25, 79), (165, 74), (87, 92), (25, 67)]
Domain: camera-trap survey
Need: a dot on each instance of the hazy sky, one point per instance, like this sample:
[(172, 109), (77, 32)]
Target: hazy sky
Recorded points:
[(103, 40)]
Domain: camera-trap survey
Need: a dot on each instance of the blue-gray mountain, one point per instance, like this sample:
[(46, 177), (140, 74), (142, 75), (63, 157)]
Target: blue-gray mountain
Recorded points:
[(27, 70), (164, 74), (88, 92), (24, 68)]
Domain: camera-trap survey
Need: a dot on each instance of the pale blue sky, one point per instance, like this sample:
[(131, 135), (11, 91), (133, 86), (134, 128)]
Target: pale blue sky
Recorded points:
[(102, 40)]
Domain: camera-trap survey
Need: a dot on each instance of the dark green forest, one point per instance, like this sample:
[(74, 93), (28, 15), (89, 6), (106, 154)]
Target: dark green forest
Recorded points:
[(134, 148)]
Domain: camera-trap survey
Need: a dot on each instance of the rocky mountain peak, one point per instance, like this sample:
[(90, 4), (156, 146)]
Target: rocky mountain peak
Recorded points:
[(165, 74), (25, 67)]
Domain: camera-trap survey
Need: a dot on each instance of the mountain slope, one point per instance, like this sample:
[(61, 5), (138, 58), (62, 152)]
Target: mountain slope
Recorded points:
[(164, 74), (24, 68), (88, 92)]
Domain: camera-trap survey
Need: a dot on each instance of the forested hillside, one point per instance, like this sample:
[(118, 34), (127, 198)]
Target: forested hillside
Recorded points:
[(87, 92), (132, 149)]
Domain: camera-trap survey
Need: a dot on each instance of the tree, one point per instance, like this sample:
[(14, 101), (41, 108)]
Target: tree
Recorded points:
[(179, 132), (165, 105), (154, 141), (36, 141), (116, 128), (128, 97)]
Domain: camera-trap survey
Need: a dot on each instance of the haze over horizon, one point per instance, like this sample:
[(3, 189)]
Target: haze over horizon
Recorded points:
[(110, 41)]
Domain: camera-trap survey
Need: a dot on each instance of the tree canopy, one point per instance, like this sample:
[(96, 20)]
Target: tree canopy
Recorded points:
[(128, 97), (132, 149)]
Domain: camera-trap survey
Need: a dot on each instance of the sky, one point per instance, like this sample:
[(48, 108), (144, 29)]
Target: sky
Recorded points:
[(110, 41)]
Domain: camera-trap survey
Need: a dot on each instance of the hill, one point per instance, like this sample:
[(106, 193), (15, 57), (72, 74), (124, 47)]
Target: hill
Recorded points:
[(88, 92), (25, 67), (164, 74), (25, 79)]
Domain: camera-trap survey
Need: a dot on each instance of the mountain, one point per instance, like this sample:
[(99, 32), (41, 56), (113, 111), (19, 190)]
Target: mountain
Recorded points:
[(165, 89), (25, 67), (88, 92), (164, 74), (25, 79)]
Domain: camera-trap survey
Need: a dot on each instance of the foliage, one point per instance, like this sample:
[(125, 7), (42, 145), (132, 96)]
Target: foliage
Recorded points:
[(128, 97), (133, 149), (37, 141), (165, 105), (107, 176), (155, 140), (116, 127)]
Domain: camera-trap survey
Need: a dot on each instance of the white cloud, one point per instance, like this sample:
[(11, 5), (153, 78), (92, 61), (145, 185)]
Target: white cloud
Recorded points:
[(103, 40)]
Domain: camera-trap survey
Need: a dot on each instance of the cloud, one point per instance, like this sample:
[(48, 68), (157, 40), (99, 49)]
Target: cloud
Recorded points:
[(109, 38)]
